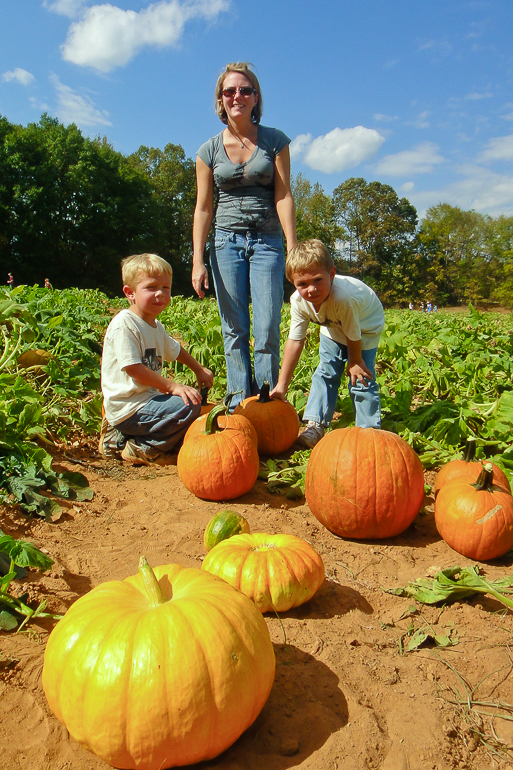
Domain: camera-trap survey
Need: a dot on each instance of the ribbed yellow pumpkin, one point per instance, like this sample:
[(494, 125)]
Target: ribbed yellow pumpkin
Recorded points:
[(164, 668), (277, 572)]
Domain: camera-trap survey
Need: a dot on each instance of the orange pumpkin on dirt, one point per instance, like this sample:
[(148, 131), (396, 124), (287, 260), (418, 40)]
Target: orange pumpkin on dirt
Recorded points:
[(475, 518), (275, 421), (469, 468), (364, 483), (218, 464)]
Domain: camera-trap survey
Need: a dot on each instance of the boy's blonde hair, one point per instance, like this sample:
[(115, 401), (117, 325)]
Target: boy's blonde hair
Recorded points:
[(136, 268), (308, 254)]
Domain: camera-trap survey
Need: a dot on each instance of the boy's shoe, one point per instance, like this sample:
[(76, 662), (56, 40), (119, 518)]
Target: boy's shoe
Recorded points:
[(311, 435), (139, 454), (111, 441)]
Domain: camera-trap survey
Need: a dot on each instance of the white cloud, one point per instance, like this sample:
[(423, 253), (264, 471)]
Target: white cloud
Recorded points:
[(339, 149), (73, 108), (479, 190), (500, 148), (420, 121), (20, 76), (384, 118), (298, 145), (474, 96), (407, 187), (69, 8), (107, 36), (420, 160)]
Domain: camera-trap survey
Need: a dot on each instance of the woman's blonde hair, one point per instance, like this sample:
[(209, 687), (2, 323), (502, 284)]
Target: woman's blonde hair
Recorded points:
[(137, 267), (244, 68), (308, 254)]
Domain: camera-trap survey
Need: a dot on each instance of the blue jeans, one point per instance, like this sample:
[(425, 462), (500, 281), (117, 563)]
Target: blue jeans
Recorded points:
[(244, 266), (326, 382), (161, 422)]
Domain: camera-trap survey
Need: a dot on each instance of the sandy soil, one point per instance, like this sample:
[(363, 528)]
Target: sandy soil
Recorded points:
[(346, 695)]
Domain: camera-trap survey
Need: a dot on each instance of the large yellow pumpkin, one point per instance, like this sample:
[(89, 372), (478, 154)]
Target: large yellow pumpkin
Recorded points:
[(275, 421), (276, 572), (364, 483), (150, 675)]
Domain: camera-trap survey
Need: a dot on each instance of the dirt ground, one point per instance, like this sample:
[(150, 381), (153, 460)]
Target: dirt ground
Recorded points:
[(346, 695)]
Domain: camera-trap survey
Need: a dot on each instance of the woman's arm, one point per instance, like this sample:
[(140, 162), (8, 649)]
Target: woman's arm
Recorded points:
[(283, 197), (202, 220)]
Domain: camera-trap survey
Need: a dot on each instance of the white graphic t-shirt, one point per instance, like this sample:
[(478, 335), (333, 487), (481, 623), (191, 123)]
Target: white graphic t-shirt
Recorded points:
[(130, 340), (352, 310)]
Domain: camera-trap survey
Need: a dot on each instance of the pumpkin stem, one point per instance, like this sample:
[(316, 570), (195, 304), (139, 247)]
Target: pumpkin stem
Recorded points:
[(484, 482), (470, 450), (211, 425), (151, 584), (264, 397), (204, 395)]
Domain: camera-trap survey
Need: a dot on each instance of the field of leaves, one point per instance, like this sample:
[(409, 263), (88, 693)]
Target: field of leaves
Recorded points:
[(444, 377)]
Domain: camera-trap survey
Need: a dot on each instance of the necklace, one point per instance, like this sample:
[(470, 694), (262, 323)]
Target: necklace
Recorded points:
[(238, 138)]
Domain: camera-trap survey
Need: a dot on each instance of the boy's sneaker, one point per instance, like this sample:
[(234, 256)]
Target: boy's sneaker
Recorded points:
[(311, 435), (111, 441), (139, 454)]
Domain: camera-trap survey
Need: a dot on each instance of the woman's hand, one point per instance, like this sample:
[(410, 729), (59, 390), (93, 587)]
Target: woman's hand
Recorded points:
[(200, 279)]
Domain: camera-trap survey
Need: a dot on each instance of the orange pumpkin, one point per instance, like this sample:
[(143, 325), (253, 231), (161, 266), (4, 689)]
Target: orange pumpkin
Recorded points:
[(276, 572), (218, 464), (364, 483), (232, 421), (475, 518), (161, 669), (468, 468), (275, 421)]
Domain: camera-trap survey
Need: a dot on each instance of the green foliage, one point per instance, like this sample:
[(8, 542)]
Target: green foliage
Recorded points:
[(15, 557)]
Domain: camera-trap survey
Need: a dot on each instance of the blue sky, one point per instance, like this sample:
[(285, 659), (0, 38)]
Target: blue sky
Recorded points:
[(413, 93)]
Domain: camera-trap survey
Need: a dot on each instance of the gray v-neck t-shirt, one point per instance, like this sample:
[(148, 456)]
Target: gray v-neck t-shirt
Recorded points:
[(246, 190)]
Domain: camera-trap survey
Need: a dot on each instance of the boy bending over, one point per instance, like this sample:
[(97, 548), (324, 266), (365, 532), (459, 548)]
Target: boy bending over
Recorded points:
[(146, 414), (351, 318)]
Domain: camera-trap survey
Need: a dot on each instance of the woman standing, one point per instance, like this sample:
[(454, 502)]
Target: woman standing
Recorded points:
[(249, 167)]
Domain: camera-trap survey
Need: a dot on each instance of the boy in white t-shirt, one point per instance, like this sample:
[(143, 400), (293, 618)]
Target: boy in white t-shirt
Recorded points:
[(351, 319), (146, 414)]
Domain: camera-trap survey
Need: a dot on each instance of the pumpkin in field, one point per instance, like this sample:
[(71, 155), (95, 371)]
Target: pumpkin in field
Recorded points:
[(275, 421), (364, 483), (475, 518), (161, 669), (232, 421), (222, 526), (276, 572), (468, 468), (218, 464)]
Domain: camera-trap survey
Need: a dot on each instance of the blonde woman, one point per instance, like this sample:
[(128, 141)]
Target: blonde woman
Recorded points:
[(247, 167)]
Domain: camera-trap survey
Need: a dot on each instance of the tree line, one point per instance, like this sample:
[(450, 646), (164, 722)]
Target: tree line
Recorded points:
[(72, 207)]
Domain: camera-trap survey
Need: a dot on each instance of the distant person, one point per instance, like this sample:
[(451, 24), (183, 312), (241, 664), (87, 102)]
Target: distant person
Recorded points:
[(351, 318), (247, 168), (10, 280), (411, 305), (429, 307), (48, 285), (421, 307), (146, 414)]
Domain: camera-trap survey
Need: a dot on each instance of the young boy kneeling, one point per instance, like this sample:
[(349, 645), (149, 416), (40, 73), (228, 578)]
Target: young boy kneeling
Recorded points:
[(351, 318), (145, 413)]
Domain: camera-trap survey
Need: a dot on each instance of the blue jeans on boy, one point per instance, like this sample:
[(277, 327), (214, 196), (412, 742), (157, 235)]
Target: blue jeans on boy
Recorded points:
[(249, 265), (326, 382), (161, 422)]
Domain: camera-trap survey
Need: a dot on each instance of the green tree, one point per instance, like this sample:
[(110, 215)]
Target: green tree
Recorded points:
[(381, 231), (316, 216), (173, 180)]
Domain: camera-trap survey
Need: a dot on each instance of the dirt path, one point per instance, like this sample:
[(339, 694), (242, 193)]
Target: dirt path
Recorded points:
[(344, 696)]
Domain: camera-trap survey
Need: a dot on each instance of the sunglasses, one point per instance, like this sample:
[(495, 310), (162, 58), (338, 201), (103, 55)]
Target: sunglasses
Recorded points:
[(244, 91)]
